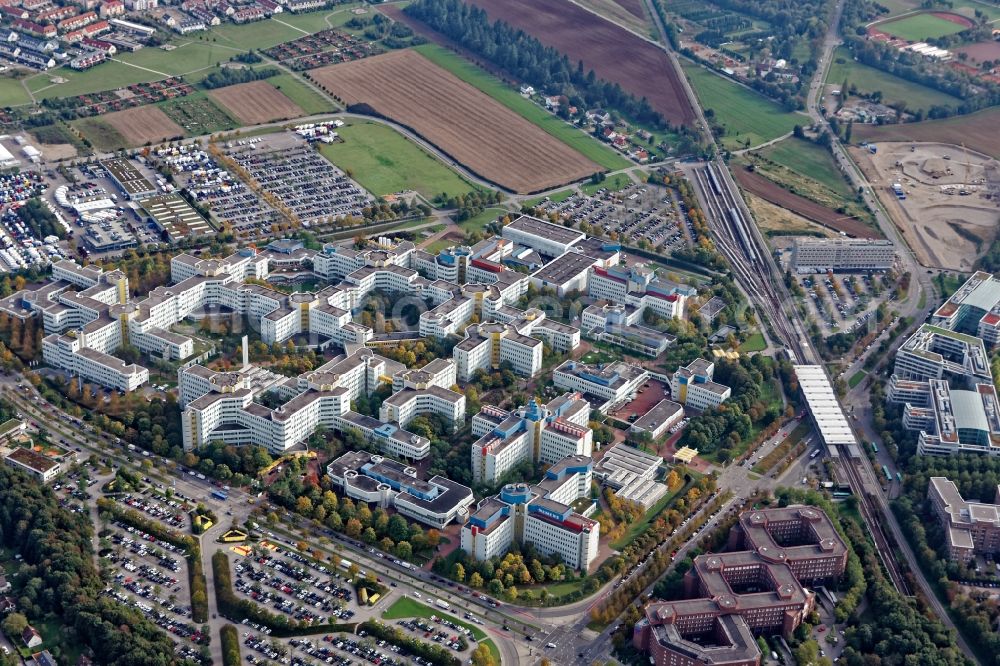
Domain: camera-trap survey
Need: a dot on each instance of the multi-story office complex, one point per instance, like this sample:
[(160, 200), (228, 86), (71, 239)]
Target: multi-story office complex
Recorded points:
[(533, 433), (616, 325), (388, 483), (933, 352), (693, 386), (228, 412), (949, 420), (540, 515), (734, 595), (639, 287), (970, 527), (609, 384), (819, 255), (974, 308)]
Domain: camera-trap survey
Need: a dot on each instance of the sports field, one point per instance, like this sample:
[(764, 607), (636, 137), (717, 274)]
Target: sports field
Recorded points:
[(920, 27), (810, 160), (310, 101), (384, 162), (750, 119), (894, 89), (498, 90)]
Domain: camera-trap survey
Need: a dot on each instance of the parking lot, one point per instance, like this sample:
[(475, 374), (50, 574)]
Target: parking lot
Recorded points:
[(302, 180), (152, 576), (636, 212), (293, 585), (231, 202), (840, 302)]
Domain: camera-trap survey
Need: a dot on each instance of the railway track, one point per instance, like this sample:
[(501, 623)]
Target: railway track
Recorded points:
[(736, 237), (870, 511)]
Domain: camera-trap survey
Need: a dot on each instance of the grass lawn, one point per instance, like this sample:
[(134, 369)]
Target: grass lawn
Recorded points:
[(259, 34), (100, 133), (478, 222), (438, 245), (384, 162), (107, 76), (747, 116), (810, 160), (12, 92), (407, 607), (561, 195), (920, 27), (191, 55), (310, 101), (555, 590), (754, 343), (498, 90), (894, 89), (613, 182), (857, 378)]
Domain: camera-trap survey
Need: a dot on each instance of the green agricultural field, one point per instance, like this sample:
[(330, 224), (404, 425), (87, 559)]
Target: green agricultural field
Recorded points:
[(920, 27), (810, 160), (894, 89), (12, 92), (479, 78), (384, 161), (750, 118), (294, 89)]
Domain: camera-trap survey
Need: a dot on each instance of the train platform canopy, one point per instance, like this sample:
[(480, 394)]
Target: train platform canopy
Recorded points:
[(824, 406)]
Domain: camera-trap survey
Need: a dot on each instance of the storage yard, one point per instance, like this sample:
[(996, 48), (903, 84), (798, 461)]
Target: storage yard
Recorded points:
[(945, 228), (507, 150)]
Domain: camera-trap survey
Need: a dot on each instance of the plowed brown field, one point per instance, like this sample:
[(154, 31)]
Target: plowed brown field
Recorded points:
[(470, 126), (143, 124), (977, 131), (769, 191), (256, 102), (615, 54)]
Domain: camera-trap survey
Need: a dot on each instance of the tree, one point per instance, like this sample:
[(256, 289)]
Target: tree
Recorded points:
[(475, 580), (353, 528), (404, 550), (673, 480), (14, 625), (458, 572), (482, 656), (398, 529)]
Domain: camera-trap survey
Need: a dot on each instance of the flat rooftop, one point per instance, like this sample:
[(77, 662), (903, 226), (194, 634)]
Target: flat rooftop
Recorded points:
[(547, 230)]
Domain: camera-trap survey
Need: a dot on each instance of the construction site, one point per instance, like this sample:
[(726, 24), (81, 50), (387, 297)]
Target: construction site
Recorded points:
[(943, 198)]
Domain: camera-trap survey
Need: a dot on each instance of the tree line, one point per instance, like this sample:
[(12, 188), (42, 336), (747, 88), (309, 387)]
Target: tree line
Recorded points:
[(61, 579), (528, 60)]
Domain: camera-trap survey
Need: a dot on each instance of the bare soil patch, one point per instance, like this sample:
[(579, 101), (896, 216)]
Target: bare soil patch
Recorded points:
[(470, 126), (143, 124), (256, 102), (945, 228), (769, 191), (640, 67), (977, 130), (981, 51)]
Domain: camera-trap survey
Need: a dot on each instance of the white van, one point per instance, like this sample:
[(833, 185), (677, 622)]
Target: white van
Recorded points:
[(551, 646)]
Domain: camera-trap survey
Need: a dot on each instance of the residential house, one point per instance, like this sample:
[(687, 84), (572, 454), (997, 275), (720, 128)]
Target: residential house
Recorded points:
[(30, 637)]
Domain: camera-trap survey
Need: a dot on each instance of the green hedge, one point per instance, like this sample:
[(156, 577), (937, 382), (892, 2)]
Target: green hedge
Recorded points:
[(230, 646)]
